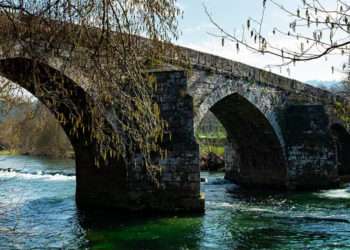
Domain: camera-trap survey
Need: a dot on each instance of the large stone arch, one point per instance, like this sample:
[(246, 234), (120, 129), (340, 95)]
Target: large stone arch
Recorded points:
[(254, 154), (95, 186), (114, 184)]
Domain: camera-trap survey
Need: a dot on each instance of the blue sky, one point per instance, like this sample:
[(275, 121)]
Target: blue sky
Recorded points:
[(232, 14)]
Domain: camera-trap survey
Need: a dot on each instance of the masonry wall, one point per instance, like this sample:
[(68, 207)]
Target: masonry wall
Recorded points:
[(310, 149), (178, 189), (342, 142), (257, 160), (171, 185)]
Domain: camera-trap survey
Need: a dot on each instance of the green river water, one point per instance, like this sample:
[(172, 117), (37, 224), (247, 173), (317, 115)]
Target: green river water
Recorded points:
[(37, 211)]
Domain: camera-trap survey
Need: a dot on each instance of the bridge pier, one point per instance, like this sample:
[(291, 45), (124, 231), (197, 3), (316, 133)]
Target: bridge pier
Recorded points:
[(309, 147), (342, 141), (173, 184), (131, 189)]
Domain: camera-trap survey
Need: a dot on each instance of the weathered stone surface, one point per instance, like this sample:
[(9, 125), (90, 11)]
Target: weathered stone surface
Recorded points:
[(279, 131), (342, 142), (179, 180), (253, 106), (310, 150)]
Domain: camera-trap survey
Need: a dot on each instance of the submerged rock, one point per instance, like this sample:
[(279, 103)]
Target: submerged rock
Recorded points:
[(204, 180), (212, 162), (344, 178), (2, 147)]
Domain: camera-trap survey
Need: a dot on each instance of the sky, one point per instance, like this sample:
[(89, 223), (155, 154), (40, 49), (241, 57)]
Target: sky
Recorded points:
[(231, 15)]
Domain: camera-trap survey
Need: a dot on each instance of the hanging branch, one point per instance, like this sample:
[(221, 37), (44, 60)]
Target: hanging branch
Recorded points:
[(328, 32), (108, 32)]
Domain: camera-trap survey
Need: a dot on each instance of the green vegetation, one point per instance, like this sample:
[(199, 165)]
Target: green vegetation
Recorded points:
[(210, 127), (108, 37), (343, 110), (206, 149), (211, 136), (8, 152), (29, 128), (214, 135)]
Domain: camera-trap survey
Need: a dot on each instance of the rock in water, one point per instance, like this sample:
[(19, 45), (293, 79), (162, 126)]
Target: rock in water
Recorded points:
[(212, 162)]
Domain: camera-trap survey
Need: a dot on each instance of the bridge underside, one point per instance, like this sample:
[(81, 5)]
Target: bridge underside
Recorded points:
[(342, 141), (253, 154), (309, 157)]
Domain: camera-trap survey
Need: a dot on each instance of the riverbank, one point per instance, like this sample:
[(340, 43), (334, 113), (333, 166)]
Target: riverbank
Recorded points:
[(67, 155), (345, 179), (8, 153)]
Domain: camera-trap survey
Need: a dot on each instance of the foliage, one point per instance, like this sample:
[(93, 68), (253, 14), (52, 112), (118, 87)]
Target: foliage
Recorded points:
[(205, 149), (211, 135), (343, 111), (316, 29), (29, 128), (102, 40), (210, 126)]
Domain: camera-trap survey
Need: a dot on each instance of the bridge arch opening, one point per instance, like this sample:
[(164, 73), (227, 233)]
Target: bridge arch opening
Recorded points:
[(211, 137), (51, 87), (342, 143), (41, 172), (253, 153), (100, 186), (27, 127)]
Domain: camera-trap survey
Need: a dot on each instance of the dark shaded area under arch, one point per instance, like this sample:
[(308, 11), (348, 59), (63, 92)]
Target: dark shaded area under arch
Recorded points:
[(342, 141), (254, 157)]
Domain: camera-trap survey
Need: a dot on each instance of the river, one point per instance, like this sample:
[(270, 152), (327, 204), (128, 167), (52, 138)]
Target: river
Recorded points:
[(37, 211)]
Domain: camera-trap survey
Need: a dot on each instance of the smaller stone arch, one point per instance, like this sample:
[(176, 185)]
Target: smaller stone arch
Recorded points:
[(255, 152), (254, 156), (342, 142), (265, 99)]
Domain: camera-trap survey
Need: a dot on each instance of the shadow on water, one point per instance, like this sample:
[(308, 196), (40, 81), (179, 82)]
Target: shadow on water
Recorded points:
[(235, 218), (110, 231)]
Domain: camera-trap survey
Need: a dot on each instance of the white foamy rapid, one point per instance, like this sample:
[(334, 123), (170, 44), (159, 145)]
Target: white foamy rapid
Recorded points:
[(8, 174), (336, 193)]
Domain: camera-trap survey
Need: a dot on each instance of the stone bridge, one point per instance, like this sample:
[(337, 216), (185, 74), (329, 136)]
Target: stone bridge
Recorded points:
[(281, 133)]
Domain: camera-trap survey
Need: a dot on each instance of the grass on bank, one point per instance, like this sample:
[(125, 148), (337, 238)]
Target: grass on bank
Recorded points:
[(8, 152), (206, 149), (68, 155), (216, 135), (211, 143)]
